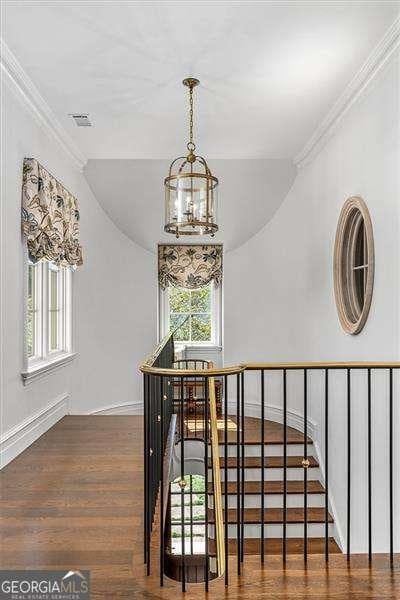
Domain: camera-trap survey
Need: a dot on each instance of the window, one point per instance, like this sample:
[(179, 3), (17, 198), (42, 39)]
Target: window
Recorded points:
[(48, 316), (197, 310), (354, 265)]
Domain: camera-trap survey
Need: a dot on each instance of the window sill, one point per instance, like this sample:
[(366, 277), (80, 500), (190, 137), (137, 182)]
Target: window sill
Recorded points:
[(199, 346), (45, 367)]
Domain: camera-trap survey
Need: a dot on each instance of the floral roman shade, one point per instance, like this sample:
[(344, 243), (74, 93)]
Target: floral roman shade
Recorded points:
[(50, 217), (189, 266)]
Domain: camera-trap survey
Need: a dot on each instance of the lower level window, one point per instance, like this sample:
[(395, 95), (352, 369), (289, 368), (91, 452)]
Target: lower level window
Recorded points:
[(48, 312)]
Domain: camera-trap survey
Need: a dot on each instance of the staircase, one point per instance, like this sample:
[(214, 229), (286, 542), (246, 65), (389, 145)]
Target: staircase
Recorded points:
[(271, 521), (273, 490)]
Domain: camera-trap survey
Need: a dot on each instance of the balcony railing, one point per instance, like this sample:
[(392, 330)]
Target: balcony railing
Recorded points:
[(343, 391)]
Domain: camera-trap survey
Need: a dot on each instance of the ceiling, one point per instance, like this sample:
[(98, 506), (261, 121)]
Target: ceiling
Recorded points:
[(131, 193), (269, 71)]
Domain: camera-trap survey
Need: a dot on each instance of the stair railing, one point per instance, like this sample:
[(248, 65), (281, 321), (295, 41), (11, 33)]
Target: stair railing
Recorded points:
[(158, 408), (216, 479)]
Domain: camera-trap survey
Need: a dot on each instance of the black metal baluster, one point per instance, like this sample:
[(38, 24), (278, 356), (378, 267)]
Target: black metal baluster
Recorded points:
[(191, 513), (207, 563), (242, 470), (305, 469), (391, 464), (238, 471), (195, 409), (161, 424), (262, 462), (326, 465), (226, 479), (348, 463), (284, 545), (182, 485), (145, 461), (151, 467), (369, 470)]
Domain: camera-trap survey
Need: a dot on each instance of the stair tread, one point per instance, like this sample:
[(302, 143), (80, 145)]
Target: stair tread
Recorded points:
[(274, 546), (275, 515), (270, 462), (273, 487), (273, 432)]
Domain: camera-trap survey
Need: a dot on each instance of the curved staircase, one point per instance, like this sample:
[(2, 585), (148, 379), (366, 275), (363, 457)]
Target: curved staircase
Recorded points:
[(273, 491)]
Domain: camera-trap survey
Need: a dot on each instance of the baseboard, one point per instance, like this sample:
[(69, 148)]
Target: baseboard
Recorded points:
[(275, 413), (125, 408), (17, 439), (338, 530)]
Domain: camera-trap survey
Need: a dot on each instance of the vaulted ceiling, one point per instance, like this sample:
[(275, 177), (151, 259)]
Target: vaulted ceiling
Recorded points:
[(130, 191), (269, 72)]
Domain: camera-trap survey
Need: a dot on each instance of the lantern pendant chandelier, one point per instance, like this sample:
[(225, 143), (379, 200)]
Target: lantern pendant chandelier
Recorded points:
[(190, 188)]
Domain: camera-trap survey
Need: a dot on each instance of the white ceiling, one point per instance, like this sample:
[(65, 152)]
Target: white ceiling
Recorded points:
[(131, 193), (269, 70)]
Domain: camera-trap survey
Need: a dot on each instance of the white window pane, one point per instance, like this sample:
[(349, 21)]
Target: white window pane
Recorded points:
[(54, 307), (201, 328), (196, 306), (183, 333), (31, 311)]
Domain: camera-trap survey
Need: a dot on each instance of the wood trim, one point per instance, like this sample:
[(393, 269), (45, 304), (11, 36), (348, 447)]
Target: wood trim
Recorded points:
[(324, 365), (271, 366), (193, 372), (215, 464), (351, 318)]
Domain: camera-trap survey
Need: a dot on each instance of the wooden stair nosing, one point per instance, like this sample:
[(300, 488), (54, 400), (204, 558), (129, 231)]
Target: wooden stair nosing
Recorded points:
[(273, 516), (270, 462), (273, 546), (266, 442), (272, 487)]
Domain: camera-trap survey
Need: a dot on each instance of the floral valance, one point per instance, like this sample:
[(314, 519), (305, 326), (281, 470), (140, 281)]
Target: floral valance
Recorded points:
[(50, 217), (189, 266)]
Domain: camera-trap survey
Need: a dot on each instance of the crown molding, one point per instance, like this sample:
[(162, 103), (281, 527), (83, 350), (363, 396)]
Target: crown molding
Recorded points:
[(357, 86), (26, 90)]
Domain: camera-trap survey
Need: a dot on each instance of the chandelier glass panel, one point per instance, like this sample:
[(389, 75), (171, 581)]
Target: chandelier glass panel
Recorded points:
[(190, 189)]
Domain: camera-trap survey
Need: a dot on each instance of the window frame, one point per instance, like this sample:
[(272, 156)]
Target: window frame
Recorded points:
[(44, 358), (353, 216), (216, 319)]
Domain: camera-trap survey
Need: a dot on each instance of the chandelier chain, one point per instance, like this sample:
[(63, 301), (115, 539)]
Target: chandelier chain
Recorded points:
[(191, 145)]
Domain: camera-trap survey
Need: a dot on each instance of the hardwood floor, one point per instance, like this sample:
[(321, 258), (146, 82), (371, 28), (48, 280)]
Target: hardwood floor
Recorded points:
[(74, 500)]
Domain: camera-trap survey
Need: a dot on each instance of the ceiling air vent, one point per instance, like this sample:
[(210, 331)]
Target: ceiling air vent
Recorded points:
[(81, 120)]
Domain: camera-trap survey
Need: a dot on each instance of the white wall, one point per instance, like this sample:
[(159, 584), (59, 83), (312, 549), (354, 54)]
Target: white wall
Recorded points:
[(114, 293), (279, 301), (287, 267)]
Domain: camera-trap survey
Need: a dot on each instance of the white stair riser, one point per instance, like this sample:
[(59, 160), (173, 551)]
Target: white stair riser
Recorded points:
[(292, 474), (275, 500), (269, 450), (293, 530)]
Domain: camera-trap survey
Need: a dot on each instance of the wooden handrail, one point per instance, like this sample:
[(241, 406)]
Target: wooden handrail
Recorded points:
[(256, 366), (217, 489), (192, 372), (145, 367)]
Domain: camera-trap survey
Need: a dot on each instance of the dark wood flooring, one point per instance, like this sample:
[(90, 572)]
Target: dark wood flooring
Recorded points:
[(74, 500)]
